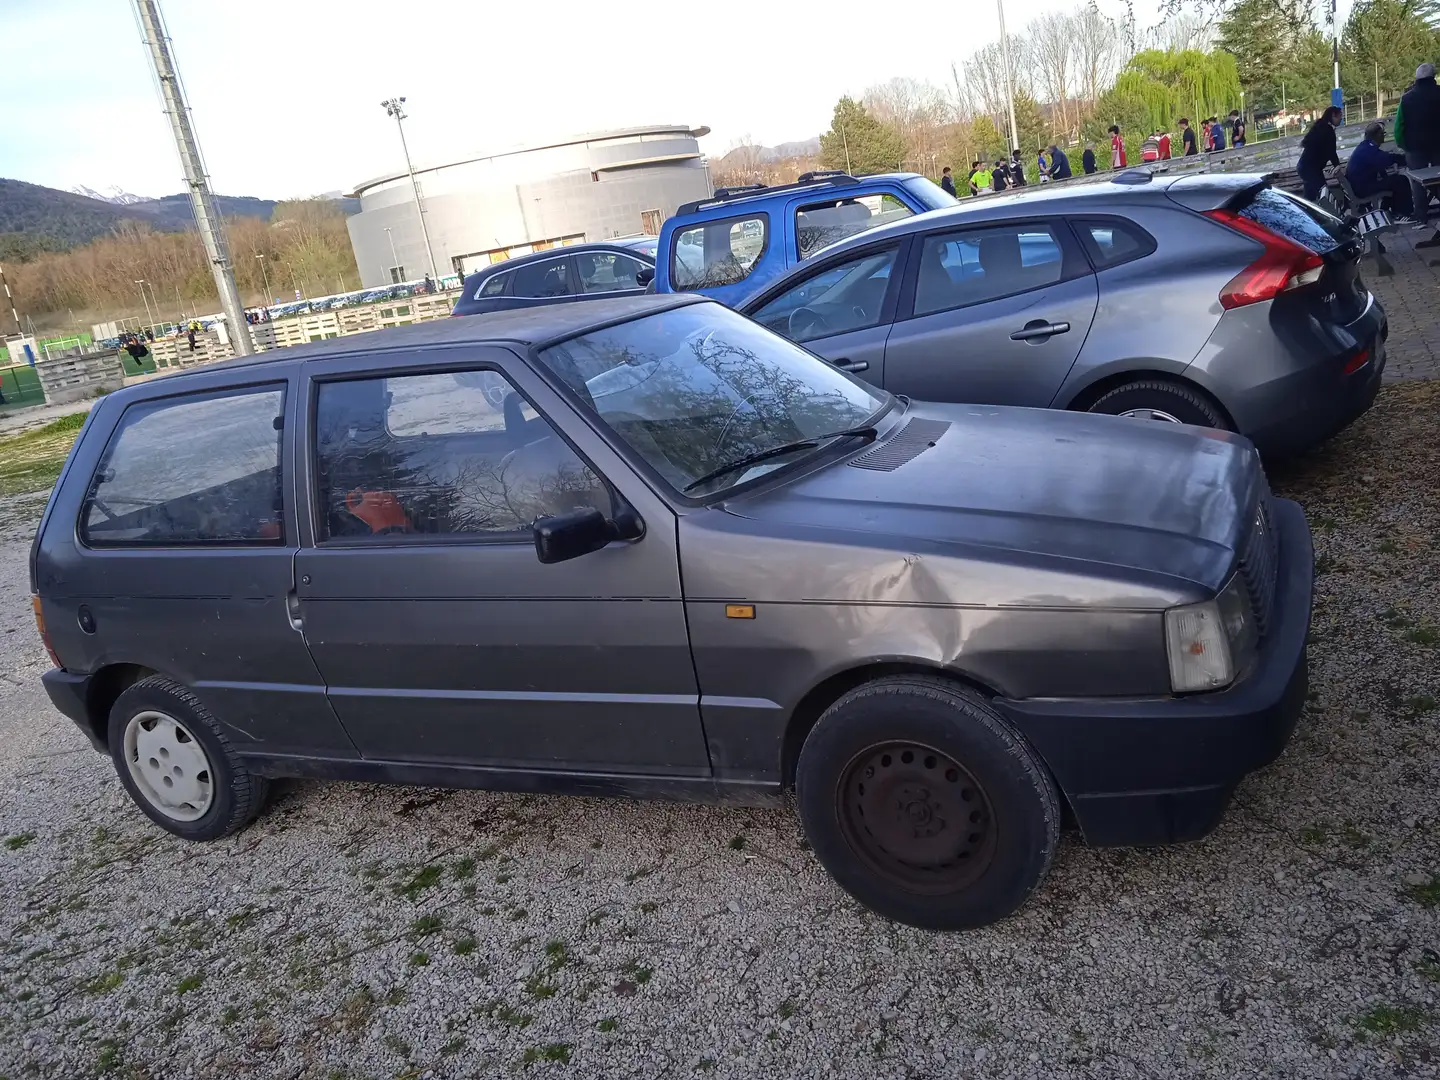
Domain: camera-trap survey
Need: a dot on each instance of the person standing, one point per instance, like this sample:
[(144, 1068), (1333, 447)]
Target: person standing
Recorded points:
[(1217, 134), (1187, 138), (1237, 129), (974, 178), (1317, 149), (1043, 166), (1059, 164), (947, 182), (1117, 148), (1417, 133), (999, 176), (1087, 159), (1017, 170), (980, 179)]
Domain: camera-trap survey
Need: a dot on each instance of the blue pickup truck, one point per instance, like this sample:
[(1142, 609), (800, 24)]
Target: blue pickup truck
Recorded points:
[(729, 245)]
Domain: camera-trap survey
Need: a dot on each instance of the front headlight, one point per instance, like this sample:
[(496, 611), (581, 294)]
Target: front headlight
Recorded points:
[(1211, 642)]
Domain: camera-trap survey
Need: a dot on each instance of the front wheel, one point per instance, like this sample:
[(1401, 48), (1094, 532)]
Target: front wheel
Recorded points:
[(1155, 399), (925, 805)]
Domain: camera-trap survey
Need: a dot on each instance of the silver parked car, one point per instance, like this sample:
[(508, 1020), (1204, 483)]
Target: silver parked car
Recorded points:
[(680, 557), (1215, 300)]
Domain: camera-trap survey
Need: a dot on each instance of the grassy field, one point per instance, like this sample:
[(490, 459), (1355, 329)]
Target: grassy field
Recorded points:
[(31, 461)]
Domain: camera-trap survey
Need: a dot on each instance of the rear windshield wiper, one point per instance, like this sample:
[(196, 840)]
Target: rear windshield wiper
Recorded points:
[(868, 431)]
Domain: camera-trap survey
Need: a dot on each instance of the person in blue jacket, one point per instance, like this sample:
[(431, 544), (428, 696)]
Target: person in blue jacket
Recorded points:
[(1368, 171)]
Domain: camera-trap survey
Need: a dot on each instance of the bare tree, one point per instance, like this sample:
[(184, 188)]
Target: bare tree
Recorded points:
[(985, 76), (1184, 30), (1098, 51), (1052, 48), (918, 111)]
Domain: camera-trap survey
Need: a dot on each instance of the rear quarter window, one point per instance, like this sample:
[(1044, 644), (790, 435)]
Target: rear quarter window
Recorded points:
[(1297, 220), (1112, 241), (713, 253), (198, 469)]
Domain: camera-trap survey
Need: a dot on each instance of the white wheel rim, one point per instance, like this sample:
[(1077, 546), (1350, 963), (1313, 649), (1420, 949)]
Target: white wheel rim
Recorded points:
[(168, 765), (1151, 414)]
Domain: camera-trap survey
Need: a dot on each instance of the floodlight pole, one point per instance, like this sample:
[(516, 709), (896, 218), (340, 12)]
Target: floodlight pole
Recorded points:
[(394, 107)]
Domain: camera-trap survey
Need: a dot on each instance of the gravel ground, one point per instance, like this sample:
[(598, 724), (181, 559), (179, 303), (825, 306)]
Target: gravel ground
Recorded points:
[(360, 931)]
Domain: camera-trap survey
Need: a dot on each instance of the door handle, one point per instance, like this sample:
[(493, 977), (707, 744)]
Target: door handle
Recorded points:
[(852, 365), (1040, 329), (292, 611)]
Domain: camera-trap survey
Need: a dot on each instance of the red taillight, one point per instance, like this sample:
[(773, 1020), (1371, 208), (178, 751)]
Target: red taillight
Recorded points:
[(40, 626), (1357, 361), (1282, 266)]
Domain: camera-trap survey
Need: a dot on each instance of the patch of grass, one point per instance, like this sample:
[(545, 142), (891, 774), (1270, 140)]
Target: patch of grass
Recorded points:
[(1386, 1020), (103, 984), (607, 1025), (1422, 635), (399, 1045), (453, 1047), (190, 982), (637, 972), (426, 925), (518, 914), (1421, 703), (556, 954), (1352, 837), (420, 959), (1426, 895), (787, 1010), (395, 996), (549, 1052), (463, 869), (110, 1057), (1428, 966), (465, 946), (1326, 524), (737, 843), (540, 987), (229, 1015), (502, 879), (356, 1010), (1387, 547), (507, 1015), (425, 878), (987, 1029), (647, 907), (19, 840), (31, 461), (706, 1064), (1312, 836), (1324, 563)]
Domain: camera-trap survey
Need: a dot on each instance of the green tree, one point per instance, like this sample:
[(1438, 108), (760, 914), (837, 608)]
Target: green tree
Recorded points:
[(1396, 35), (860, 143)]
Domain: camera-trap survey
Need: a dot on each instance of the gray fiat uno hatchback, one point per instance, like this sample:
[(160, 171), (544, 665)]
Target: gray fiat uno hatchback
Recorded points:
[(647, 547)]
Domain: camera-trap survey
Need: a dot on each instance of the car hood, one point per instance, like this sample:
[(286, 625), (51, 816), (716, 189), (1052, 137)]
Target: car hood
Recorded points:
[(1142, 497)]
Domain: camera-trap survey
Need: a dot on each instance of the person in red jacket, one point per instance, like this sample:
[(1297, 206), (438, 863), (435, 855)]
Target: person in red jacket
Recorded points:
[(1117, 148)]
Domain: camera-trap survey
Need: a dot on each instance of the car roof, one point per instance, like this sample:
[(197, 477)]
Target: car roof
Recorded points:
[(526, 327), (723, 204), (552, 253), (1081, 198)]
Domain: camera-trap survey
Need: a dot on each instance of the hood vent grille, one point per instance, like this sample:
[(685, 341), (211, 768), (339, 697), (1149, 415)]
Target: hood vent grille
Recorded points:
[(907, 444)]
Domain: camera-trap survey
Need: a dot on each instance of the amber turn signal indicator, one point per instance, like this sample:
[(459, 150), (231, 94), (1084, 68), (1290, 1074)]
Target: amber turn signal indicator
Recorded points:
[(739, 611), (40, 626)]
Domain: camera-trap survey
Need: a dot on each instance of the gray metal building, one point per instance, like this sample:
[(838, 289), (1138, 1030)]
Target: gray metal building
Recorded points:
[(487, 209)]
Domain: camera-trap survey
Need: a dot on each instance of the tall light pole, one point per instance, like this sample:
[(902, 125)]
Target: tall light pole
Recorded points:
[(394, 259), (266, 278), (394, 107), (1009, 81), (11, 301), (155, 297), (1337, 97), (146, 301), (202, 199)]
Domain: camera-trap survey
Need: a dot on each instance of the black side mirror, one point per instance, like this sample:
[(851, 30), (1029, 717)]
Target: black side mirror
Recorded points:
[(568, 536), (645, 276)]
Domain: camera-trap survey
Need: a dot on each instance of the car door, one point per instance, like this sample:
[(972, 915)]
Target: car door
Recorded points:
[(440, 636), (993, 314), (842, 309), (815, 222), (182, 555)]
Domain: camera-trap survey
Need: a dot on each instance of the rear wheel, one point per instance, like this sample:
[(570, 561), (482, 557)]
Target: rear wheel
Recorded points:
[(926, 806), (177, 764), (1156, 399)]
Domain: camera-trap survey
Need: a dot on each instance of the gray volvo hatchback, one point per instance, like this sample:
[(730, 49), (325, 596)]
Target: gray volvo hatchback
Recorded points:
[(647, 547)]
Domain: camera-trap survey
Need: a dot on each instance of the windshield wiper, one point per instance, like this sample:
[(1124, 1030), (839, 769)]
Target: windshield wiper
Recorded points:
[(868, 431)]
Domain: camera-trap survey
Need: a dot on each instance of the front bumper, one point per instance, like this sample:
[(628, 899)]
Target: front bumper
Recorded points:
[(69, 693), (1162, 770)]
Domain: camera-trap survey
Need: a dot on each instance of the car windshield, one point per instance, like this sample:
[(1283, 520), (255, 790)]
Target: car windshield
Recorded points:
[(694, 388)]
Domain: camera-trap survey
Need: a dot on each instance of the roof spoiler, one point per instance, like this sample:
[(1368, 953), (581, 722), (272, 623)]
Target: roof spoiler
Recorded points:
[(1218, 191)]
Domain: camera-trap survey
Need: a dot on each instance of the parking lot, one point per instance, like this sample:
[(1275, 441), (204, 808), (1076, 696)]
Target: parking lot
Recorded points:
[(359, 931)]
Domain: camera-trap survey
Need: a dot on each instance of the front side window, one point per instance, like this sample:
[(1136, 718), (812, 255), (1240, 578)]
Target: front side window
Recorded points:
[(446, 454), (717, 252), (607, 271), (837, 300), (958, 269), (821, 224), (697, 388), (199, 469), (544, 280)]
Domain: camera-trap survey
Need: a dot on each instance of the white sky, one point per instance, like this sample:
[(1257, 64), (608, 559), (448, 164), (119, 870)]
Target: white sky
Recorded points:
[(286, 93)]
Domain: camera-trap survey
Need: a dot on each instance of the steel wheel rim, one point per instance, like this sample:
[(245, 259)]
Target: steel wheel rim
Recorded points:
[(169, 766), (1152, 414), (917, 817)]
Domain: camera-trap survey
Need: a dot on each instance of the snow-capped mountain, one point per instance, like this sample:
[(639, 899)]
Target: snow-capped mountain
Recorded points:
[(116, 195)]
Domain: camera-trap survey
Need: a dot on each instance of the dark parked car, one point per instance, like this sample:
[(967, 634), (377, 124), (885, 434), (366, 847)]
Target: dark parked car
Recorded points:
[(1214, 300), (682, 557), (559, 276)]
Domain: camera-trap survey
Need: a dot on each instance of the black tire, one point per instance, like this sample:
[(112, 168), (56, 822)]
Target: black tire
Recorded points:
[(1184, 403), (237, 795), (966, 767)]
